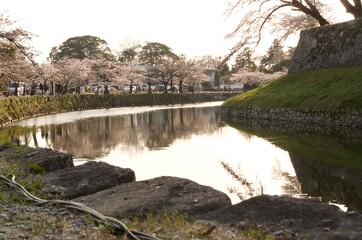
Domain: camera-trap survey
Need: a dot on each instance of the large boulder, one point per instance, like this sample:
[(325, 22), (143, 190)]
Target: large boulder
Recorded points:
[(86, 179), (48, 159), (303, 217), (162, 194)]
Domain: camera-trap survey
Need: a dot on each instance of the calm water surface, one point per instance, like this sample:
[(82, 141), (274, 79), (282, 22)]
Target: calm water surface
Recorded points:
[(188, 141)]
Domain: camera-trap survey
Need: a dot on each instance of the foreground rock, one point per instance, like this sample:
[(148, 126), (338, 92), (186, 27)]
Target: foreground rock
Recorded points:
[(302, 217), (157, 195), (86, 179), (48, 159)]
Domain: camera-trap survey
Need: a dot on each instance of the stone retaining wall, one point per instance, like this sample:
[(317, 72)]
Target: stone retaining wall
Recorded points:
[(291, 120), (16, 108), (330, 46)]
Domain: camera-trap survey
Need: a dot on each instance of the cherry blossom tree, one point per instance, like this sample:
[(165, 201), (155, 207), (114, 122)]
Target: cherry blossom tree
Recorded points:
[(70, 71), (16, 55), (184, 70), (16, 38), (279, 18), (196, 75), (167, 72), (132, 74), (48, 75), (150, 75), (269, 13), (104, 72), (14, 69), (252, 80)]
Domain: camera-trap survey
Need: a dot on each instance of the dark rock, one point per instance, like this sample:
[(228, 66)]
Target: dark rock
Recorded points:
[(49, 159), (267, 209), (86, 179), (298, 215), (157, 195)]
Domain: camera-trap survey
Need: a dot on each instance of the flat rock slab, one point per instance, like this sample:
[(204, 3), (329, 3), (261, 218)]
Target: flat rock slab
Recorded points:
[(306, 217), (162, 194), (48, 159), (86, 179)]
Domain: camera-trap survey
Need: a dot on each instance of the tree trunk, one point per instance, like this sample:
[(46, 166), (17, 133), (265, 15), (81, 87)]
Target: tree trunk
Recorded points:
[(355, 10), (310, 10)]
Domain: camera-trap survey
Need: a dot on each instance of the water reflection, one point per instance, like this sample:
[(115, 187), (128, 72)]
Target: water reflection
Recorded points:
[(95, 137), (327, 167), (184, 141)]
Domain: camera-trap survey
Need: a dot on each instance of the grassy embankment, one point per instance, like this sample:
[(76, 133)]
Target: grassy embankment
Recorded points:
[(327, 90)]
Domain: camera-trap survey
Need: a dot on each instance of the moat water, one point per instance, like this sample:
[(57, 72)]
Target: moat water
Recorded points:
[(191, 141)]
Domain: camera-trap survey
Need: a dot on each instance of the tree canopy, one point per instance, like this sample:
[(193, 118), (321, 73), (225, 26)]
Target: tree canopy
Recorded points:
[(154, 53), (81, 48)]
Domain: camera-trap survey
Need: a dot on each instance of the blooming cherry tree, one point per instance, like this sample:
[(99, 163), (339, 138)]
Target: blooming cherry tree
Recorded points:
[(16, 55), (253, 79), (104, 72), (70, 71), (184, 71), (132, 74), (196, 75)]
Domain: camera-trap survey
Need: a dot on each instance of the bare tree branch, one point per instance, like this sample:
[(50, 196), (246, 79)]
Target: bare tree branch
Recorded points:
[(355, 10)]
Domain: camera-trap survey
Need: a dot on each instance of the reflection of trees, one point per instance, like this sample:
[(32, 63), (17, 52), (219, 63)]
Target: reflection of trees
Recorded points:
[(251, 189), (248, 189), (291, 183), (94, 137)]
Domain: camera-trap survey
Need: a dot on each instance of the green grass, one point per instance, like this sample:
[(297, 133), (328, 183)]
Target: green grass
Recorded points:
[(327, 90), (177, 226)]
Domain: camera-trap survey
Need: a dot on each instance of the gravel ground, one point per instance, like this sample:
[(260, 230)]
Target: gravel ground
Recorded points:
[(46, 222)]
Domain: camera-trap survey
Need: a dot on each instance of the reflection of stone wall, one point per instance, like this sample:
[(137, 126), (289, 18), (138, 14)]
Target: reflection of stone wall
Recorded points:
[(331, 182), (329, 46), (346, 123)]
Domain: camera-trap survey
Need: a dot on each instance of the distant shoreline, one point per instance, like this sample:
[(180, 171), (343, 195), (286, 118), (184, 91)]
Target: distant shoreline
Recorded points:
[(17, 108)]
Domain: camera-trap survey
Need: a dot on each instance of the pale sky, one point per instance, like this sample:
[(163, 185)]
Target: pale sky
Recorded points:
[(190, 27)]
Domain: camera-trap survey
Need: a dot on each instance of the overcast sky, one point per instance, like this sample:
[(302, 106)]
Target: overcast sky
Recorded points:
[(190, 27)]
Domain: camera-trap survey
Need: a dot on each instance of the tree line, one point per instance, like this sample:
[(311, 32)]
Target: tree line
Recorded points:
[(85, 61)]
